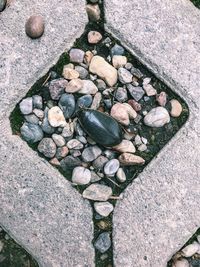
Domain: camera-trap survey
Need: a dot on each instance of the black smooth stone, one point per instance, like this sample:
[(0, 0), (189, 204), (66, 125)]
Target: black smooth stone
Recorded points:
[(2, 5), (67, 105)]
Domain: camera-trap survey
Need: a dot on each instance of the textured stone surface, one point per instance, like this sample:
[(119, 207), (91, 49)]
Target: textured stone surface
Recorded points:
[(39, 208), (163, 202)]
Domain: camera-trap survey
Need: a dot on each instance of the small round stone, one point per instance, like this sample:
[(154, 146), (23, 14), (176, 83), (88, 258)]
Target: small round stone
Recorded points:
[(76, 55), (84, 101), (70, 162), (62, 152), (58, 139), (97, 192), (121, 176), (111, 167), (94, 37), (103, 208), (182, 263), (100, 162), (176, 108), (56, 117), (26, 106), (31, 133), (103, 242), (91, 153), (119, 61), (121, 94), (2, 5), (81, 176), (57, 88), (37, 101), (32, 119), (69, 73), (157, 117), (47, 147), (83, 73), (124, 76), (35, 26), (117, 50), (74, 144), (67, 105)]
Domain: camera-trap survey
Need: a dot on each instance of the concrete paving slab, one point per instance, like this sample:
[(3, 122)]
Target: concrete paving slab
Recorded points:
[(160, 210), (38, 207)]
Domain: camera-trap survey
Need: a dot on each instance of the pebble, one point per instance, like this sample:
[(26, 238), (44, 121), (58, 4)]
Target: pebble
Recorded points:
[(46, 127), (111, 167), (137, 73), (26, 106), (135, 105), (56, 117), (93, 12), (84, 101), (104, 70), (81, 176), (55, 162), (121, 176), (91, 153), (96, 101), (62, 152), (69, 73), (39, 113), (88, 87), (74, 144), (128, 66), (35, 26), (99, 162), (88, 57), (32, 119), (108, 103), (136, 92), (146, 81), (58, 140), (181, 263), (57, 88), (83, 73), (119, 61), (121, 94), (95, 177), (144, 140), (124, 76), (101, 85), (78, 129), (94, 37), (190, 250), (76, 55), (161, 99), (157, 117), (128, 159), (2, 5), (74, 86), (103, 208), (103, 242), (47, 147), (176, 108), (125, 146), (97, 192), (68, 130), (122, 113), (37, 102), (70, 162), (149, 90), (67, 104), (117, 50), (31, 133), (142, 148)]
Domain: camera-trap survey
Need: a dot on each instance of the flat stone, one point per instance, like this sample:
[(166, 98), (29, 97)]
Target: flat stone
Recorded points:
[(26, 106), (56, 117), (104, 70), (103, 208), (74, 86), (81, 176), (58, 140), (111, 167), (157, 117), (88, 87), (136, 92), (47, 147), (69, 73), (70, 162), (32, 133), (32, 119), (119, 61), (121, 94), (76, 55), (74, 144), (97, 192), (91, 153), (176, 108), (94, 37), (125, 146), (93, 12), (67, 104), (128, 159), (99, 162), (103, 242), (57, 88), (124, 76), (96, 101)]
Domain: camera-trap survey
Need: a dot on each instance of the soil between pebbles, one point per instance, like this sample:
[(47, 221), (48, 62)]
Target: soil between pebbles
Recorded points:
[(103, 76)]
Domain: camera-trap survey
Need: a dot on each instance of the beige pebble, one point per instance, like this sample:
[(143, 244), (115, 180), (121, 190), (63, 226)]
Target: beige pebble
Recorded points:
[(56, 117), (125, 146), (74, 86), (128, 159), (119, 61), (176, 108), (69, 73), (93, 12), (94, 37)]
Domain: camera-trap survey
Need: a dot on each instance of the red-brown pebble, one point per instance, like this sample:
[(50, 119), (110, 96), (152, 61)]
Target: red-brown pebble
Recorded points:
[(135, 105)]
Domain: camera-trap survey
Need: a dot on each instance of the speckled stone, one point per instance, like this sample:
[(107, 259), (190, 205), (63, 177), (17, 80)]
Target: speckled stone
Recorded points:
[(47, 147)]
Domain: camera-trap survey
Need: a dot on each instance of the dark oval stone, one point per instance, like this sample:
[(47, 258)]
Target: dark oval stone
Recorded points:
[(2, 4), (84, 101), (102, 128), (67, 105), (35, 26)]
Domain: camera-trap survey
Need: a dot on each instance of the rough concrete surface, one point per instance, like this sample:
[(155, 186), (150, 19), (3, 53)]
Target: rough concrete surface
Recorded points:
[(38, 207), (161, 208)]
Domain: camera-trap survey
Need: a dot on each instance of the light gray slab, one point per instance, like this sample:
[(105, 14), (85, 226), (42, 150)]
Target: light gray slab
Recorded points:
[(38, 207), (160, 210)]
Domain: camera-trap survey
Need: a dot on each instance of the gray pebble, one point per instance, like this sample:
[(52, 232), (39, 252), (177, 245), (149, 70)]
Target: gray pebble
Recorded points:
[(81, 176), (99, 162), (74, 144), (37, 101), (117, 50), (70, 162), (136, 72), (67, 105), (58, 139), (108, 103), (82, 139), (26, 106), (3, 4), (47, 147), (101, 85), (46, 127), (103, 208), (76, 55), (39, 113), (75, 152), (136, 92), (32, 119), (121, 94), (57, 88), (128, 65), (78, 129), (83, 73), (103, 242), (97, 192), (32, 133), (95, 177), (91, 153), (110, 154), (120, 175), (124, 76), (111, 167), (84, 102)]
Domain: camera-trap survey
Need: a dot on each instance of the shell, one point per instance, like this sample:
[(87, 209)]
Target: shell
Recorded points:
[(102, 128)]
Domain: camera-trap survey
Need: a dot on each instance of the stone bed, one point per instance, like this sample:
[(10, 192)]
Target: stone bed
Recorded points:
[(32, 211)]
